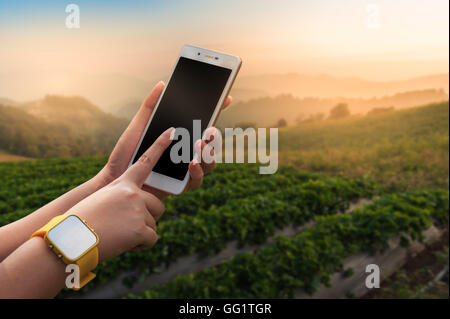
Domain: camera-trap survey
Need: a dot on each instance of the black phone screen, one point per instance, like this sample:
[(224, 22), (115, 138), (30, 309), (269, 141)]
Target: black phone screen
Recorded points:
[(192, 94)]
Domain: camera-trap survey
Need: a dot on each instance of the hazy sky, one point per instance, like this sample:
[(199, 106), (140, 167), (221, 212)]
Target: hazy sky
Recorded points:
[(143, 38)]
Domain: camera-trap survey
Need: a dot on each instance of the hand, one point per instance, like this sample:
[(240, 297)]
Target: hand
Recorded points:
[(121, 213), (124, 149)]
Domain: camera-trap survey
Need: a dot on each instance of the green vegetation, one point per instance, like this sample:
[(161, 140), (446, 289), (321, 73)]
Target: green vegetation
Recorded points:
[(29, 185), (264, 111), (57, 127), (235, 204), (277, 270), (402, 150), (340, 111), (421, 283)]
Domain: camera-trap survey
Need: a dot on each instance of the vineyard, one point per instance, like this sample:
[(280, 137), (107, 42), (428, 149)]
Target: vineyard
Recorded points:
[(238, 205)]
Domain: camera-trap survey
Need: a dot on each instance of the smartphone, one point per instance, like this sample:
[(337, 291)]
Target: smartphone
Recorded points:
[(196, 90)]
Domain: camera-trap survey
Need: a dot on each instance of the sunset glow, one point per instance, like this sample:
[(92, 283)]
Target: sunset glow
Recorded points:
[(142, 39)]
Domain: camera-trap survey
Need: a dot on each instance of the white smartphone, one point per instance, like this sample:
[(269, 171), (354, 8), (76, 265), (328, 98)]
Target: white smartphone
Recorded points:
[(196, 90)]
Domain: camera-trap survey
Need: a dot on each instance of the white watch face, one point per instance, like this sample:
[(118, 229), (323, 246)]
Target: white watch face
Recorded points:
[(72, 237)]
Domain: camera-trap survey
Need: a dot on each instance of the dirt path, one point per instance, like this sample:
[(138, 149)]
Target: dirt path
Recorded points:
[(425, 261), (12, 158)]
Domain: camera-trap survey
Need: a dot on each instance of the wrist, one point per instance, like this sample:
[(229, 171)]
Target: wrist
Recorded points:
[(73, 241), (52, 267), (41, 247), (44, 273)]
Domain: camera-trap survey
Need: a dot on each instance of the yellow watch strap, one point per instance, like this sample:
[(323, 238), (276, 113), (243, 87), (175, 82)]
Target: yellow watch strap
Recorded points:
[(86, 263), (42, 232)]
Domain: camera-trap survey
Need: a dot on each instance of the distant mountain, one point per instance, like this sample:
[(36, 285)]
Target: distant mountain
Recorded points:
[(121, 94), (245, 94), (126, 109), (58, 126), (76, 113), (266, 111), (300, 86), (104, 90), (6, 101), (325, 86)]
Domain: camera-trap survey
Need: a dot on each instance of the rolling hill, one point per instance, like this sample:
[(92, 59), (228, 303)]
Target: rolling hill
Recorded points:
[(325, 86), (402, 150), (58, 126), (121, 94), (264, 112), (237, 209)]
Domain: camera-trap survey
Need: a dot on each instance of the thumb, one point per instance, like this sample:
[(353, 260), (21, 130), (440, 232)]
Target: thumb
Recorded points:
[(139, 171)]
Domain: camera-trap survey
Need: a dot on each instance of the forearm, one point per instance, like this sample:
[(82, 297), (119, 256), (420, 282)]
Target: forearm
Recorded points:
[(15, 234), (32, 271)]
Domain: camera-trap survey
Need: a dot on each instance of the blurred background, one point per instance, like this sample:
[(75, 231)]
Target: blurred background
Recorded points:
[(358, 89)]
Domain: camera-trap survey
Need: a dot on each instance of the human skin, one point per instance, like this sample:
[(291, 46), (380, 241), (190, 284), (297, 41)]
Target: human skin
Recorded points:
[(30, 262), (18, 232), (122, 214)]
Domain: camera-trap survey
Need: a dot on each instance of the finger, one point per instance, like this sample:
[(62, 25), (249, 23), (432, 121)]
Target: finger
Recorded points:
[(207, 162), (196, 172), (213, 140), (208, 167), (130, 137), (140, 120), (227, 102), (198, 146), (149, 238), (213, 134), (139, 171), (154, 205), (157, 192), (150, 221), (150, 101)]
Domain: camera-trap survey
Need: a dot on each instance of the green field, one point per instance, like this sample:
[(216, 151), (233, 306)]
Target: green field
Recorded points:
[(278, 270), (400, 156), (402, 150), (236, 203)]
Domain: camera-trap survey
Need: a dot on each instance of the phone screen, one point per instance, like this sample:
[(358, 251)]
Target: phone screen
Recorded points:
[(192, 94)]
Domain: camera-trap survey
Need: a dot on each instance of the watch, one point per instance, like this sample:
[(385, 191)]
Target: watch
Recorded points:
[(74, 242)]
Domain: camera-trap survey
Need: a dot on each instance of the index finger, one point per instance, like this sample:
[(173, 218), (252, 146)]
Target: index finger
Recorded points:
[(139, 171)]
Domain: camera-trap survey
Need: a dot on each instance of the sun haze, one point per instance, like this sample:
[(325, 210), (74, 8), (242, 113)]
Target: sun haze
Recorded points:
[(373, 40)]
